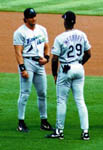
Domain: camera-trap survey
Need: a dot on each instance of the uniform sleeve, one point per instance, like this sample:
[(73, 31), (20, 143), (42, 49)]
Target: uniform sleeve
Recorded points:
[(46, 35), (18, 38), (56, 47), (87, 45)]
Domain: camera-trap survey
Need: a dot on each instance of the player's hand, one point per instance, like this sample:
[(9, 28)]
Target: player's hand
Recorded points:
[(24, 74), (42, 61)]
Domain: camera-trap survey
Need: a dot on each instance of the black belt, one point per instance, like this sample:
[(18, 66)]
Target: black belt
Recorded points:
[(69, 62), (33, 58)]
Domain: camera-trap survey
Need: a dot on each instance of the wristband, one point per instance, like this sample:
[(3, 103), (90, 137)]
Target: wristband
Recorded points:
[(47, 57), (22, 67)]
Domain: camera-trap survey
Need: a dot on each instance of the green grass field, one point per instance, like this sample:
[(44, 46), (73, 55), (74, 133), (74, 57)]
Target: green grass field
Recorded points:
[(10, 139), (93, 7)]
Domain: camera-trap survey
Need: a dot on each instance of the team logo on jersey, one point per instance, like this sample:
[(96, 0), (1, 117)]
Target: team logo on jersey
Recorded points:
[(39, 39), (29, 40)]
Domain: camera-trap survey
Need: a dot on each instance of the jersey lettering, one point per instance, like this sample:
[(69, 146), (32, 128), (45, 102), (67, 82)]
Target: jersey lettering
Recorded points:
[(40, 41), (32, 39)]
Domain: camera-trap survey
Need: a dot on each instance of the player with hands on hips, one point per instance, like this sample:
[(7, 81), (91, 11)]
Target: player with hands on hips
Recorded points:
[(72, 49), (32, 50)]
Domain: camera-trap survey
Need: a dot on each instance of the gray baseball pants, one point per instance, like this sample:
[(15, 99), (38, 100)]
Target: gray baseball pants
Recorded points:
[(37, 76), (73, 80)]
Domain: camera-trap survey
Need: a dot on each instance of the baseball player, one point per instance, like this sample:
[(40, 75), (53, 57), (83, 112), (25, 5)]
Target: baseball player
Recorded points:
[(72, 49), (31, 46)]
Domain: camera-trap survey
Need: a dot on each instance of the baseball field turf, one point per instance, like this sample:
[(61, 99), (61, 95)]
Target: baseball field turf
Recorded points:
[(87, 7), (10, 139)]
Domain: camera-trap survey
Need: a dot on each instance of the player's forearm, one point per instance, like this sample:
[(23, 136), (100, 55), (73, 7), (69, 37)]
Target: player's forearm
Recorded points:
[(21, 64), (19, 59), (46, 49), (47, 52), (18, 53), (54, 66), (86, 57)]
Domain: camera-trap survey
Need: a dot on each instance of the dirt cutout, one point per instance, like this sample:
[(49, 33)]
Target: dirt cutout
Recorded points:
[(91, 25)]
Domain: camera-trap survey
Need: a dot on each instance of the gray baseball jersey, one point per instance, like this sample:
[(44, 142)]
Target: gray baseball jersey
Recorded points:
[(70, 45), (32, 40)]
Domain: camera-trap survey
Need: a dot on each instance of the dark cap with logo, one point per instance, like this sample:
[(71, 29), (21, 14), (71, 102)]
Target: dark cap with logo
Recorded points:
[(29, 13), (70, 17)]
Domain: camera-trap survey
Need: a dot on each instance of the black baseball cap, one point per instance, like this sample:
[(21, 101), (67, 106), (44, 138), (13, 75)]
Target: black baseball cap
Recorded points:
[(70, 17), (29, 13)]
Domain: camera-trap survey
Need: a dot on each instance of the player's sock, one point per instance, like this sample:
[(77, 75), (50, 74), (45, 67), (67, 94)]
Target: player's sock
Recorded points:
[(85, 131)]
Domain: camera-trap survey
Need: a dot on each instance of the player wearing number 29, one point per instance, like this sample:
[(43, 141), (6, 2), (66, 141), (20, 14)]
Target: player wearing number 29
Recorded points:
[(32, 53), (72, 49)]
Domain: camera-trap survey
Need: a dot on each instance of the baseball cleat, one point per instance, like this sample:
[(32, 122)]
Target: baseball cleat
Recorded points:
[(56, 134), (85, 136), (45, 125), (22, 127)]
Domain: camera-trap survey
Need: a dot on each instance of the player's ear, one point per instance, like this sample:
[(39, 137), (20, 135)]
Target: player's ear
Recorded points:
[(65, 24), (25, 20)]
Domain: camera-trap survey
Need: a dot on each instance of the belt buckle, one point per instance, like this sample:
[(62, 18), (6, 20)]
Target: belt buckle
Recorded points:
[(37, 57)]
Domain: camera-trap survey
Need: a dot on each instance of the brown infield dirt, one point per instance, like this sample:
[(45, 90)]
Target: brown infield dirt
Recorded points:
[(91, 25)]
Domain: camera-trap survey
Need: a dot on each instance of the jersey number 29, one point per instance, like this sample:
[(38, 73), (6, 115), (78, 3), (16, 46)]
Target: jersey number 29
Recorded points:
[(78, 48)]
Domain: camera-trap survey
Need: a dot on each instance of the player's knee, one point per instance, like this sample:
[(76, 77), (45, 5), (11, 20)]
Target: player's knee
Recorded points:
[(80, 103), (61, 99), (61, 102), (41, 98), (42, 95), (23, 98)]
